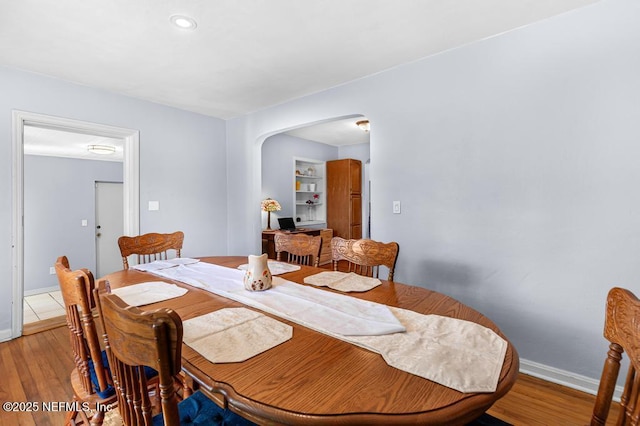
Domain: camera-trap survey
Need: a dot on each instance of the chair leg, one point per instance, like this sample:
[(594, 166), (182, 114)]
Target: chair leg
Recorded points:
[(607, 386), (187, 385), (97, 419), (71, 418), (72, 415)]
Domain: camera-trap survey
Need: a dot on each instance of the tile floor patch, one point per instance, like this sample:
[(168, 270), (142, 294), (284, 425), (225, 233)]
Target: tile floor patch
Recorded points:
[(43, 306)]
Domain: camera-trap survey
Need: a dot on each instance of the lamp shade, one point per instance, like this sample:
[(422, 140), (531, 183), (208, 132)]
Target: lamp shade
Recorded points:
[(270, 205)]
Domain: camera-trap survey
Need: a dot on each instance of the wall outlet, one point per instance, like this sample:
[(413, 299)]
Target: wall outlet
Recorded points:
[(52, 270), (396, 207)]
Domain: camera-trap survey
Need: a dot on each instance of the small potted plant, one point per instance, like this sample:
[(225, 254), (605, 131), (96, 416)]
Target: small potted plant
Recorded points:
[(315, 199), (310, 203)]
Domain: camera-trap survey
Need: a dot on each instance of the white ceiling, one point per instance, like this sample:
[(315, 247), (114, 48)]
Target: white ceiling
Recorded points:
[(337, 132), (244, 55), (60, 143)]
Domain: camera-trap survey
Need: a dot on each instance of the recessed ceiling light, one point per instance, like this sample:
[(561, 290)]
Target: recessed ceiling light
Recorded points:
[(101, 149), (183, 22)]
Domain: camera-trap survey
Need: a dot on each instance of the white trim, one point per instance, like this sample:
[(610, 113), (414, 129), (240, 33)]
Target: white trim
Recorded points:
[(131, 189), (5, 335), (17, 225), (131, 192), (41, 290), (564, 378)]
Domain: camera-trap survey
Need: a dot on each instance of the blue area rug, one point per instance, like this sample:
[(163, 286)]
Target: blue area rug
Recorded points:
[(487, 420)]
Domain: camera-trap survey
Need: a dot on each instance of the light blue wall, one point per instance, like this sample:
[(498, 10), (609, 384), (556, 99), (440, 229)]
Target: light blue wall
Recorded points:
[(278, 152), (58, 194), (359, 151), (516, 162), (182, 163)]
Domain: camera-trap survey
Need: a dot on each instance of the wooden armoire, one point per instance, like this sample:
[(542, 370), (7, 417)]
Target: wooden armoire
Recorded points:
[(344, 198)]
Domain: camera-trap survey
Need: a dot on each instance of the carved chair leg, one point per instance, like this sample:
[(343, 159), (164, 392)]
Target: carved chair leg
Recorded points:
[(187, 385)]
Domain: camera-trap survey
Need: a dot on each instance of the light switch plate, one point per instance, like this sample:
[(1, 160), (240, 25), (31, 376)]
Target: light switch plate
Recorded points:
[(396, 207), (154, 205)]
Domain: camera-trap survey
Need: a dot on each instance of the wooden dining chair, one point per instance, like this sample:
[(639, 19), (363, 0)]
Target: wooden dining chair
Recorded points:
[(622, 330), (150, 247), (364, 256), (135, 339), (89, 378), (300, 248)]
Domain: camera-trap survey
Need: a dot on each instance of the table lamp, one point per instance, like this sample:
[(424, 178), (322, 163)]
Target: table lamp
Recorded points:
[(269, 205)]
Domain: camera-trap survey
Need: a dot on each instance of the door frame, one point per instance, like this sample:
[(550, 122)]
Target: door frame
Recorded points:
[(131, 188)]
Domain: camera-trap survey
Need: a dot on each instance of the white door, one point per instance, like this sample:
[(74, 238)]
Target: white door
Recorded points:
[(109, 227)]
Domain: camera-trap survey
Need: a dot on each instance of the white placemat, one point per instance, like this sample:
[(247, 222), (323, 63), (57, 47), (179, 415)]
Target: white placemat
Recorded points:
[(157, 265), (276, 267), (343, 281), (148, 292), (234, 334)]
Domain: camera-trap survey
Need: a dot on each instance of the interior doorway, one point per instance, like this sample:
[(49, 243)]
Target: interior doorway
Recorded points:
[(130, 196)]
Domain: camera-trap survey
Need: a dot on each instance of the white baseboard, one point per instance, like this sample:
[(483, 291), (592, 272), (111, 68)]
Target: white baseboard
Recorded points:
[(41, 290), (564, 378), (5, 335)]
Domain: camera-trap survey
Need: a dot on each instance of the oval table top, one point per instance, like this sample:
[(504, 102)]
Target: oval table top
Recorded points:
[(317, 379)]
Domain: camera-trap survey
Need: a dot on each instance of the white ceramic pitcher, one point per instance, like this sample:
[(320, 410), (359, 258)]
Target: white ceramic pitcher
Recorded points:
[(258, 275)]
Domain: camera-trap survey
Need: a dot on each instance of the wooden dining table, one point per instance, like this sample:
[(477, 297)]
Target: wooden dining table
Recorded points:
[(316, 379)]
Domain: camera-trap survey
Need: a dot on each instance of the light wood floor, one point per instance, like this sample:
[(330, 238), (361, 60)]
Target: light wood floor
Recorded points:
[(36, 368)]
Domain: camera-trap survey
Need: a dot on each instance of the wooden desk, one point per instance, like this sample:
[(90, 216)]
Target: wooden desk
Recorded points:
[(315, 379), (269, 245)]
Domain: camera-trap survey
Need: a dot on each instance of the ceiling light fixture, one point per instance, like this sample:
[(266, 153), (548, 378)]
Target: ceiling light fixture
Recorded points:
[(363, 124), (183, 22), (101, 149)]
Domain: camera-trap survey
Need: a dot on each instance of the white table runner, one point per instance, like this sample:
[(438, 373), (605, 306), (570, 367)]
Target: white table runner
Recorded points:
[(455, 353), (459, 354), (314, 308)]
